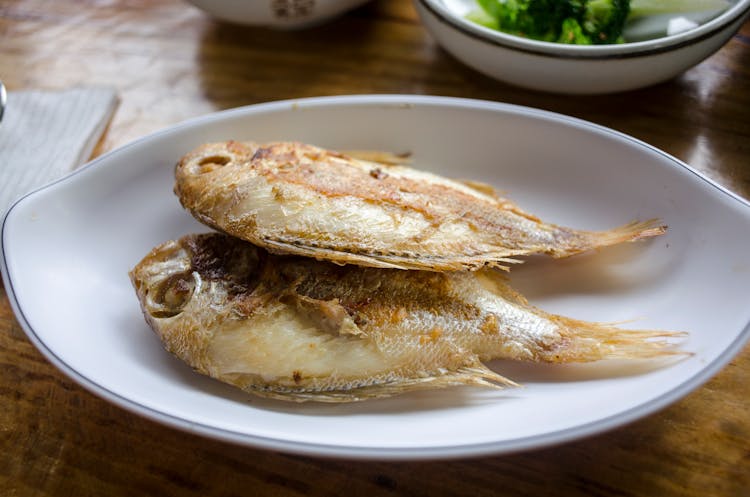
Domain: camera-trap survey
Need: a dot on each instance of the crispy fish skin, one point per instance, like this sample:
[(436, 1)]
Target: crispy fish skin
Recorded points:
[(299, 199), (296, 329)]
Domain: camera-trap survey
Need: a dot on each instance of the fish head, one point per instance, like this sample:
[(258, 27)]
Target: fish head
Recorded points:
[(195, 271)]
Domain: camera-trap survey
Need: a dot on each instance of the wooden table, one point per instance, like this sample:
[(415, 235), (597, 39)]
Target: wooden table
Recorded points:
[(169, 62)]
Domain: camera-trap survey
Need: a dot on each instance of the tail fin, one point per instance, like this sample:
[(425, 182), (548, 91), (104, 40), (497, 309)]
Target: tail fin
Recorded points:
[(588, 341), (631, 232)]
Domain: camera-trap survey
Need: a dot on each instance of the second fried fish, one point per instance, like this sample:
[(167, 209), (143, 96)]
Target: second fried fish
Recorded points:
[(292, 328)]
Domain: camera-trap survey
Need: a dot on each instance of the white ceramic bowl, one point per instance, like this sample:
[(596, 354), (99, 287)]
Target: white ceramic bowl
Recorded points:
[(575, 69), (283, 14)]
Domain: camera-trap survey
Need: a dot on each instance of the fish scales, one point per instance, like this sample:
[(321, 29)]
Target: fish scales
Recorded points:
[(300, 199), (297, 329)]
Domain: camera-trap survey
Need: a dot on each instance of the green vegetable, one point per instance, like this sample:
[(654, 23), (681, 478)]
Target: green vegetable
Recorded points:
[(538, 19), (482, 18), (604, 20), (572, 33), (643, 8), (580, 22)]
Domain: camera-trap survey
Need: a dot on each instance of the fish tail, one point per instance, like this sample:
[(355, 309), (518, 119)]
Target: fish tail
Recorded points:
[(631, 232), (585, 342), (588, 240)]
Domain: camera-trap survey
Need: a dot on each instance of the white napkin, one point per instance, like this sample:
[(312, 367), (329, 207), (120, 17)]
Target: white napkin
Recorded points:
[(47, 134)]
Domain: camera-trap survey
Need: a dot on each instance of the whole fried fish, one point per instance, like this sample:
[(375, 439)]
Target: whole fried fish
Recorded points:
[(297, 329), (299, 199)]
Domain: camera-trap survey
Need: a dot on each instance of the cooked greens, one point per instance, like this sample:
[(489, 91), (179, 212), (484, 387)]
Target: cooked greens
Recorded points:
[(580, 22)]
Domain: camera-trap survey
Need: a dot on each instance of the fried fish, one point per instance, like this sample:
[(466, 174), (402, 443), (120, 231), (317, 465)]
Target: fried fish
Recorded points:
[(299, 199), (297, 329)]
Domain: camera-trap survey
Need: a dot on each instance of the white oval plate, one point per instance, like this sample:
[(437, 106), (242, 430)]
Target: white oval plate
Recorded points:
[(67, 249)]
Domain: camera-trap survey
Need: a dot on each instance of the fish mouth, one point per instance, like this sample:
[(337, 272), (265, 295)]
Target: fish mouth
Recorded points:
[(214, 156), (165, 281)]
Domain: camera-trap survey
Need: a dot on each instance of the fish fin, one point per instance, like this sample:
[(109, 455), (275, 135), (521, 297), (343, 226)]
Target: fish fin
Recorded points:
[(500, 259), (588, 341), (327, 315), (503, 202), (585, 341), (478, 369), (482, 188), (497, 283), (379, 157), (630, 232), (633, 231), (474, 374)]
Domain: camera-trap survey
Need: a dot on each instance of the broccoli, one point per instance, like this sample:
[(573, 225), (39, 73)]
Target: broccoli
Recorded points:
[(538, 19), (572, 33), (604, 20), (580, 22)]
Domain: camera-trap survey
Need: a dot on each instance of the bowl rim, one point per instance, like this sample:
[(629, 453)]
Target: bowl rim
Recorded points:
[(719, 23)]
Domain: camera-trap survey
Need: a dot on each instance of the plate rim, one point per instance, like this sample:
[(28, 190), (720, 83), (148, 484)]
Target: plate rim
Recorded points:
[(372, 452)]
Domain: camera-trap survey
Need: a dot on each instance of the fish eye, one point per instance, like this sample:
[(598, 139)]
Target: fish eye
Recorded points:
[(170, 296), (211, 163)]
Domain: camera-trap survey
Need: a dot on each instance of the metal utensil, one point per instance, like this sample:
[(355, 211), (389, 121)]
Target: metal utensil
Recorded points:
[(3, 97)]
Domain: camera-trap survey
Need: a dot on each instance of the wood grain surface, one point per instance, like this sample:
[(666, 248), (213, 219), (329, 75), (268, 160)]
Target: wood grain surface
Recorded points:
[(169, 62)]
